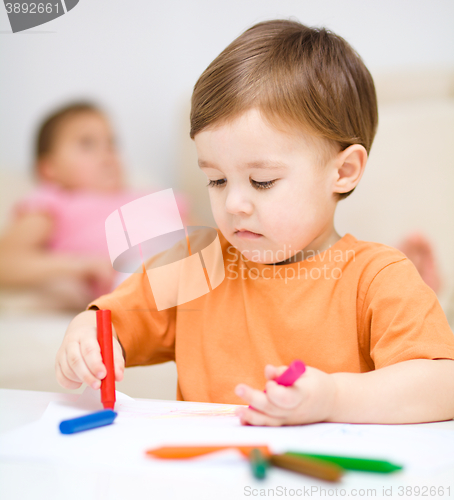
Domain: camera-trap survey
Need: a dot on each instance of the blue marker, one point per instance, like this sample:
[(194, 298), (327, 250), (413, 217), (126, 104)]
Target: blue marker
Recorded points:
[(98, 419)]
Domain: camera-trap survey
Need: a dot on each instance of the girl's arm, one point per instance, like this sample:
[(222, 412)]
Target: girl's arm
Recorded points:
[(25, 260)]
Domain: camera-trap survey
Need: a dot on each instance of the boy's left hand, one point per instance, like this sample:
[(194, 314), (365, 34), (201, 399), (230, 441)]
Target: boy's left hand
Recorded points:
[(311, 399)]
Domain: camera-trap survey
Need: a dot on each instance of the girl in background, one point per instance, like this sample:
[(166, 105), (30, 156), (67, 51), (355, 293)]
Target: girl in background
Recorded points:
[(55, 244)]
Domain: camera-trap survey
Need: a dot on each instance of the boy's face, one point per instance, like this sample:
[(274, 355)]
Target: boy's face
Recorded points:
[(84, 155), (269, 197)]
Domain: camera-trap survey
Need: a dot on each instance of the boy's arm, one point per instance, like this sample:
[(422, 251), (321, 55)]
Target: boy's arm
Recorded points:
[(417, 390), (404, 334)]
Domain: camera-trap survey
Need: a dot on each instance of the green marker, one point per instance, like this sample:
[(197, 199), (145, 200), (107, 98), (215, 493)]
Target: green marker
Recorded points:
[(259, 464), (350, 463)]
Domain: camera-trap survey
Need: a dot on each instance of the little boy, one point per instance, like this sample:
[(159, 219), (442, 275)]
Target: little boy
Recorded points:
[(283, 121)]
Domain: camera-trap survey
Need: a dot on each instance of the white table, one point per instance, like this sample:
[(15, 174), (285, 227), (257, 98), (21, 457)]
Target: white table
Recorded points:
[(28, 479)]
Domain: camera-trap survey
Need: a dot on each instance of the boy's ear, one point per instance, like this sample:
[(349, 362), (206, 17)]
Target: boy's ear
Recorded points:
[(350, 164)]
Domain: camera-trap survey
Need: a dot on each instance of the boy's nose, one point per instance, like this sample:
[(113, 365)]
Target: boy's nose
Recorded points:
[(236, 202)]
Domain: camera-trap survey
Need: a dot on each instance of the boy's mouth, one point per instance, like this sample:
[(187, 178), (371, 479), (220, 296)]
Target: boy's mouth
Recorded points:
[(244, 233)]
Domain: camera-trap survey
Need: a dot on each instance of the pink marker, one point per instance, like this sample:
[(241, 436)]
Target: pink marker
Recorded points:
[(292, 374)]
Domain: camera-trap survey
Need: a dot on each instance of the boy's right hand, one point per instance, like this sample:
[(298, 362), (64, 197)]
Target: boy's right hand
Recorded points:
[(79, 357)]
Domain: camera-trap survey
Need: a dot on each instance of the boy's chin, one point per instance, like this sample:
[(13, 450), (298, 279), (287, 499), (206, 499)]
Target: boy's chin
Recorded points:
[(270, 257), (261, 257)]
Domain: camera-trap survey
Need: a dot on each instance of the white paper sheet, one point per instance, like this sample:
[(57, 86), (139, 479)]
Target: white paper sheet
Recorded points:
[(142, 425)]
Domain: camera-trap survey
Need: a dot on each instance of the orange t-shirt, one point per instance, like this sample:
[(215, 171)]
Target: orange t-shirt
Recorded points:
[(355, 307)]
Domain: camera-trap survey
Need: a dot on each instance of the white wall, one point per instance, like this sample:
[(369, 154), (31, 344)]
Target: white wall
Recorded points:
[(141, 59)]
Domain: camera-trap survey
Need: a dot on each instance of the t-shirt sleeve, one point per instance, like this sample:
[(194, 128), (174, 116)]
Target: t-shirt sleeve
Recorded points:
[(42, 199), (146, 335), (402, 318)]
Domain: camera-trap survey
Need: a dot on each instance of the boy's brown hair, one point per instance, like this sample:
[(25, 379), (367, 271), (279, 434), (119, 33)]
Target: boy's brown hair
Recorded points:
[(48, 129), (302, 77)]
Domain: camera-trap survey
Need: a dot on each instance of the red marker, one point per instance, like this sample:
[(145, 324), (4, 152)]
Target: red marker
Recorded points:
[(104, 327)]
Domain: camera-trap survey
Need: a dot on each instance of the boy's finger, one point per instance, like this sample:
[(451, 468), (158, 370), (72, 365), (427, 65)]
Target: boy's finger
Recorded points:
[(64, 381), (68, 372), (272, 372), (119, 361), (258, 400), (248, 416), (91, 353), (282, 397), (77, 364)]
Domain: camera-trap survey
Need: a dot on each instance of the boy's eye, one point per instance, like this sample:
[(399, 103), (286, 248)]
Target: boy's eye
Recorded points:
[(217, 183), (256, 184), (263, 185)]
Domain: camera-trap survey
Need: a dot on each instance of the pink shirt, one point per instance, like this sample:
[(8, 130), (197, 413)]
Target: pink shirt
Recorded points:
[(79, 216)]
